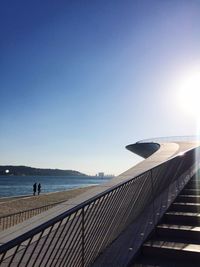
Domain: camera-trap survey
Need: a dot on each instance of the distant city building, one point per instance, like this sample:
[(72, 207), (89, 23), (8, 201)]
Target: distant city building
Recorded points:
[(101, 174)]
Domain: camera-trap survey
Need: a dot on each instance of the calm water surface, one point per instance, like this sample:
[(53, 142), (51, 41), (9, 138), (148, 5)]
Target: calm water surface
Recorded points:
[(23, 185)]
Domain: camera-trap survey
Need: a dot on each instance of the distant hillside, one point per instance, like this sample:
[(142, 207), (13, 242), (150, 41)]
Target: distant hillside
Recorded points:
[(29, 171)]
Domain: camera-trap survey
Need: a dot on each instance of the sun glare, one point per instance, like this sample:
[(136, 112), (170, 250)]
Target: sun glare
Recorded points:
[(189, 94)]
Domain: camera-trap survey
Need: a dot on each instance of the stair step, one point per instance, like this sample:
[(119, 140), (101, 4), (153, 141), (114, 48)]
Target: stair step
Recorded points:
[(176, 240), (193, 184), (159, 262), (172, 250), (185, 207), (190, 191), (196, 179), (196, 182), (186, 218), (184, 232), (188, 198)]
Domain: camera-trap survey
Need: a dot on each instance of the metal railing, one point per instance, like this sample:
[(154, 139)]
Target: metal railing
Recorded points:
[(12, 219), (117, 220)]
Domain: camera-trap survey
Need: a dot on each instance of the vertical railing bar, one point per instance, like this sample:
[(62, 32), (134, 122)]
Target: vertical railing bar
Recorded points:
[(118, 193), (91, 225), (103, 244), (6, 222), (109, 232), (122, 215), (114, 220), (45, 240), (27, 246), (117, 202), (105, 219), (101, 210), (122, 211), (77, 261), (153, 194), (34, 247), (172, 178), (136, 191), (68, 259), (83, 237), (73, 241), (16, 218), (94, 207), (132, 214), (162, 185), (3, 256), (13, 255), (167, 178), (66, 239), (39, 264), (66, 236)]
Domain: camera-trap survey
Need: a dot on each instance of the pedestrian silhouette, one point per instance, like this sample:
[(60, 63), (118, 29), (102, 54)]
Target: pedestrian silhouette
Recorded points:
[(39, 188), (34, 188)]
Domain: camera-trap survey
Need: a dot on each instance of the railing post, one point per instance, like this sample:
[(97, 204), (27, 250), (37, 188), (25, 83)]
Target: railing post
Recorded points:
[(178, 186), (153, 194), (83, 237)]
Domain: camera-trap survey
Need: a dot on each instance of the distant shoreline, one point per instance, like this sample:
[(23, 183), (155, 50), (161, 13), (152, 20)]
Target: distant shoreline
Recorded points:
[(11, 170)]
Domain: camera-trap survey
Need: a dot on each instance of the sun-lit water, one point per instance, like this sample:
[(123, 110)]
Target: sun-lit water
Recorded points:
[(23, 185)]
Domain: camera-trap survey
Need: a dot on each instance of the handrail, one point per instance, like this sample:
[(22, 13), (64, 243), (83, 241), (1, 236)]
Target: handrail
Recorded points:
[(192, 138), (99, 220)]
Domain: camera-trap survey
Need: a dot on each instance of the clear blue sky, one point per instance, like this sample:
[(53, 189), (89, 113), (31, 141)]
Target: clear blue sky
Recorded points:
[(81, 79)]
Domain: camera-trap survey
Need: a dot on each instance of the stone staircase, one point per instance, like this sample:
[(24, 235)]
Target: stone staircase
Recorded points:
[(176, 240)]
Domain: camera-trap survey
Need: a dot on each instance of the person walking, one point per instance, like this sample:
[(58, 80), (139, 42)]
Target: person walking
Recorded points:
[(34, 188), (39, 188)]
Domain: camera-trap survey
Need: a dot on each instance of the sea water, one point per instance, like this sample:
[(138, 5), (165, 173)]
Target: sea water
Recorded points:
[(23, 185)]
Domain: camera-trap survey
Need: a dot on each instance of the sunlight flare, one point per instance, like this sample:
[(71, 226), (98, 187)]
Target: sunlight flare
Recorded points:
[(189, 94)]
